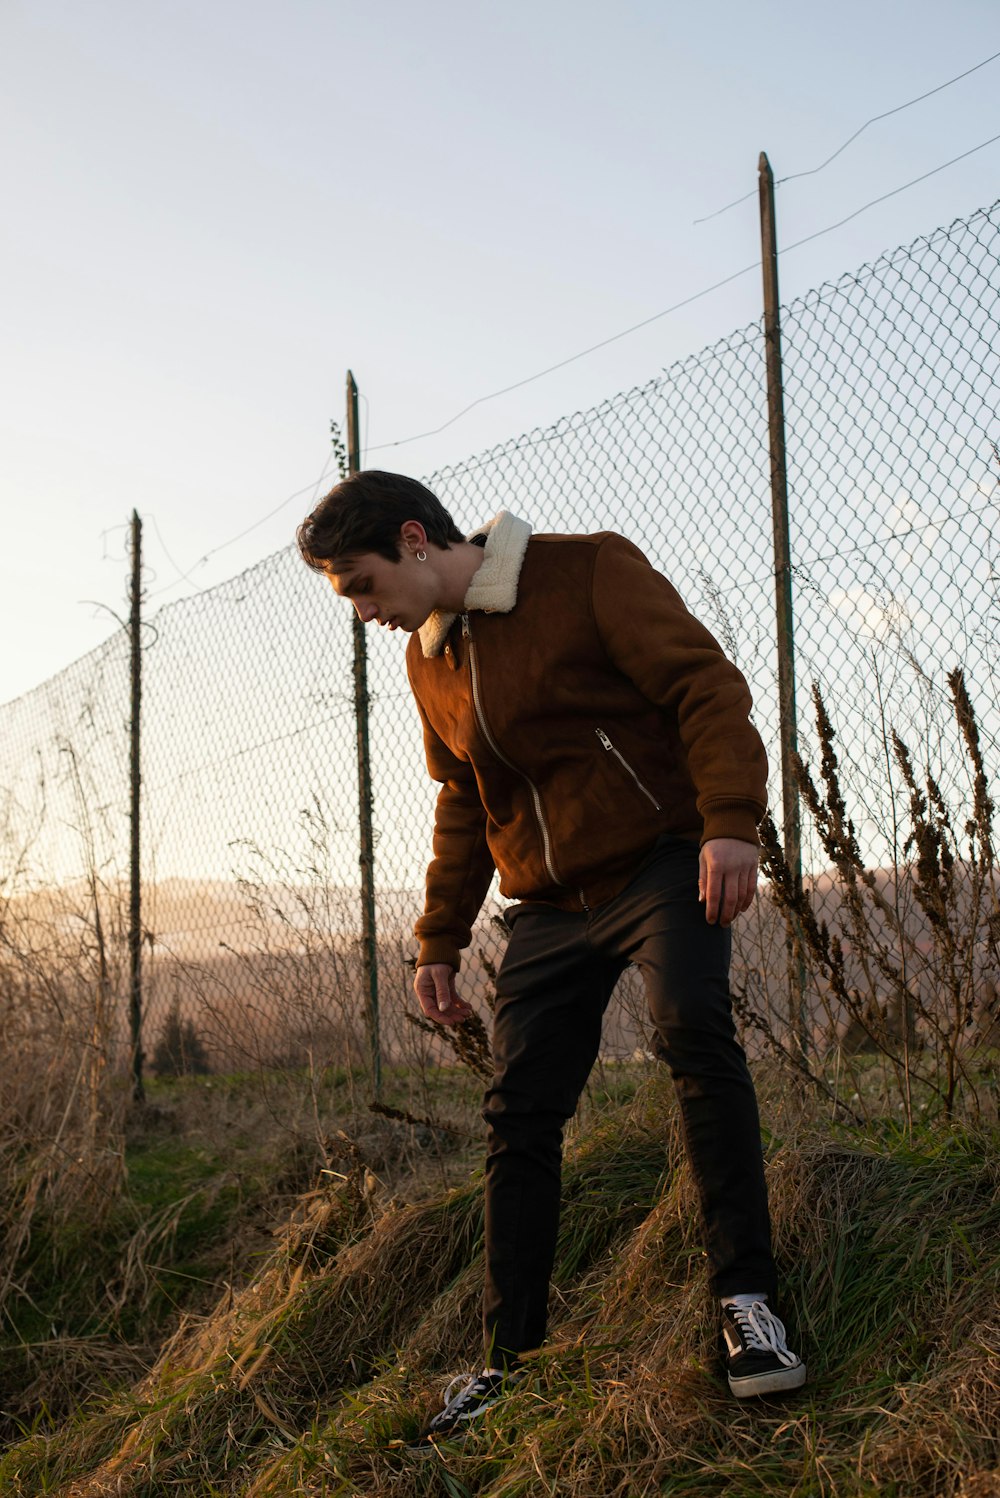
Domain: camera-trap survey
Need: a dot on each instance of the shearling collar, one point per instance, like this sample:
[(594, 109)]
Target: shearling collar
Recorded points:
[(494, 586)]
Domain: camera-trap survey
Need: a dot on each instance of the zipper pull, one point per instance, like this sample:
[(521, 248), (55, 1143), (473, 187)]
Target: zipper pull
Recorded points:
[(604, 738), (466, 632)]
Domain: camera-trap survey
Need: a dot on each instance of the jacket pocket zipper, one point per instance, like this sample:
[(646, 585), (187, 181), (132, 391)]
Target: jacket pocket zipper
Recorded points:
[(487, 735), (610, 748)]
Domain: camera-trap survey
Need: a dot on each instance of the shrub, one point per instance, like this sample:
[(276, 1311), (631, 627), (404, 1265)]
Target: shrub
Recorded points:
[(179, 1050)]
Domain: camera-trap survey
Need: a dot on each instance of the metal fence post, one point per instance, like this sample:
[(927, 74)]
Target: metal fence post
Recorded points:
[(369, 941), (135, 806), (792, 826)]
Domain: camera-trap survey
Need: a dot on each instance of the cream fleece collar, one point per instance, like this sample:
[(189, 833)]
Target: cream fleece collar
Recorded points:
[(494, 585)]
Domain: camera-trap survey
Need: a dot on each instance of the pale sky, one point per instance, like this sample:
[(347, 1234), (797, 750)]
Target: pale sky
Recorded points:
[(212, 210)]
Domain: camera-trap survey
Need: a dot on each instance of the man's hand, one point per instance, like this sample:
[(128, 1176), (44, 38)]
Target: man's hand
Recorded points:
[(727, 878), (434, 986)]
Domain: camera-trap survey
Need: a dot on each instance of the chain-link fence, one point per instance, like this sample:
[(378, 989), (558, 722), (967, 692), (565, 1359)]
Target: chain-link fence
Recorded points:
[(251, 905)]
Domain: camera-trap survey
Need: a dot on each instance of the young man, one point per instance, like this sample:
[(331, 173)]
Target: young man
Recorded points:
[(593, 744)]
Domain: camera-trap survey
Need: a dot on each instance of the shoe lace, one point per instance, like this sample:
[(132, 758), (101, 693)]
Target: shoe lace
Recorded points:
[(763, 1331), (460, 1385)]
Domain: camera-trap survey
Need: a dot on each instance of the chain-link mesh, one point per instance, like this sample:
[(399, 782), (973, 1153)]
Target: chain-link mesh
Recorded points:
[(250, 867)]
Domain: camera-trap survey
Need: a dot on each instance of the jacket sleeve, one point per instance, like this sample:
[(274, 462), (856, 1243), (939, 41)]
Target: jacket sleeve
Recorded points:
[(461, 868), (676, 663)]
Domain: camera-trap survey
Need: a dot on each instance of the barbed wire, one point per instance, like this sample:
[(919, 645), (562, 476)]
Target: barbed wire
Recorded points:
[(677, 306), (814, 171)]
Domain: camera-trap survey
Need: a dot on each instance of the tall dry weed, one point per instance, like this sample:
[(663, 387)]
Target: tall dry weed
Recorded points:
[(905, 967), (63, 961)]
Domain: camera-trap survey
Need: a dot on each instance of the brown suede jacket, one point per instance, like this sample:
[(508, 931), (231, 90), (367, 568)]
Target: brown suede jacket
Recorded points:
[(571, 732)]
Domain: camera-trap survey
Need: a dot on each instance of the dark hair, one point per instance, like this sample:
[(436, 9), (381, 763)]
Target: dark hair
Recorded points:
[(366, 513)]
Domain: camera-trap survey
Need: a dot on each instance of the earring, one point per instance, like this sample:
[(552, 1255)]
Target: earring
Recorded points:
[(421, 556)]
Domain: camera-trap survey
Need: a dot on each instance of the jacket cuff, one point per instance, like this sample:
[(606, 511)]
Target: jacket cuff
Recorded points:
[(438, 949), (732, 819)]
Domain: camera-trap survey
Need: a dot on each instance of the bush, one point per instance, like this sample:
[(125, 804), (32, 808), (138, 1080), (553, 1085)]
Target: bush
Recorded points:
[(179, 1050)]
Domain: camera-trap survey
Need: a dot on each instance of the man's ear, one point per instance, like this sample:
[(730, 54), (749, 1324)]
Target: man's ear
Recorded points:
[(413, 536)]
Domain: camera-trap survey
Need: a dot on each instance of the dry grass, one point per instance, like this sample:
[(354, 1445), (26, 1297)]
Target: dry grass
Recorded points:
[(301, 1384)]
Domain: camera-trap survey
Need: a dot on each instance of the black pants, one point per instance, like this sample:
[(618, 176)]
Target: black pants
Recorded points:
[(552, 990)]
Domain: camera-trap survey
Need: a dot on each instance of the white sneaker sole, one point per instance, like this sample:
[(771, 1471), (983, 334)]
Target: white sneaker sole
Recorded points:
[(777, 1382)]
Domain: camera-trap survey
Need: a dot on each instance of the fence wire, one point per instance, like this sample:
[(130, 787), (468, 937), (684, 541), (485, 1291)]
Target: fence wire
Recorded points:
[(251, 902)]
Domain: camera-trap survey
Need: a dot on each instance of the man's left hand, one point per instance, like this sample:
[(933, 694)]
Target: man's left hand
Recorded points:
[(727, 878)]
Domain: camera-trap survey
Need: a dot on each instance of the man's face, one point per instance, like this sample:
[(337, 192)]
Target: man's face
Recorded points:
[(399, 595)]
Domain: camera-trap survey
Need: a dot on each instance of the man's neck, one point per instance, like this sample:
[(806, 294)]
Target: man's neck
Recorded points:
[(458, 566)]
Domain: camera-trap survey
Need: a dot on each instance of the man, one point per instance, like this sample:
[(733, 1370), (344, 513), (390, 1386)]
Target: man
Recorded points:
[(593, 744)]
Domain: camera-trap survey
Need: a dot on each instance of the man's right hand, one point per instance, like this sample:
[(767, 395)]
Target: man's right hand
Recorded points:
[(434, 986)]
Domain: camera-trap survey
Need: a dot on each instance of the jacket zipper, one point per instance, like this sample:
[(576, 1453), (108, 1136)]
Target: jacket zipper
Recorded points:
[(487, 735), (623, 761)]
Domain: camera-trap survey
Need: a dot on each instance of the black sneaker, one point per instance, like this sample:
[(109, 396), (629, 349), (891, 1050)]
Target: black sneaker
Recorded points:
[(466, 1398), (757, 1358)]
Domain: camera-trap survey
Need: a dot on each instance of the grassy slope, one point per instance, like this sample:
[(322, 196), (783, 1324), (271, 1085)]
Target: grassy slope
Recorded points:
[(298, 1385), (96, 1295), (213, 1167)]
